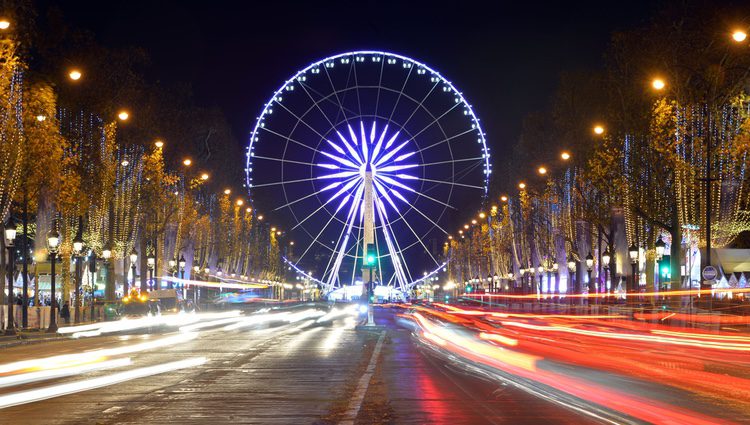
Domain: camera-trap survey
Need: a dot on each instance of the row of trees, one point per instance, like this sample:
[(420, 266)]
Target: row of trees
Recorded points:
[(86, 147), (670, 109)]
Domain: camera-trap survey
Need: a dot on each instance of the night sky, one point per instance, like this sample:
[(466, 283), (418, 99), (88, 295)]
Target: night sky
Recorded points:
[(504, 56)]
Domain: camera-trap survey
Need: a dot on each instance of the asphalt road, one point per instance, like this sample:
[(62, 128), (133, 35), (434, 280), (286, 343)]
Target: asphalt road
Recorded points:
[(300, 370)]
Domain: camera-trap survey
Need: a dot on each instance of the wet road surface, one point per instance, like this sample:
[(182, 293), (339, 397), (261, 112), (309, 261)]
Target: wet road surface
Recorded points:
[(301, 371)]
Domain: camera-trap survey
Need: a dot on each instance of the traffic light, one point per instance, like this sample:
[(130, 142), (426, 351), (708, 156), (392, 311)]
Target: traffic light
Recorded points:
[(370, 255)]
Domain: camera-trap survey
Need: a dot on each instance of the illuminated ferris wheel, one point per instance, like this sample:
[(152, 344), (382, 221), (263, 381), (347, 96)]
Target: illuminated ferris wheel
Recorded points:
[(367, 149)]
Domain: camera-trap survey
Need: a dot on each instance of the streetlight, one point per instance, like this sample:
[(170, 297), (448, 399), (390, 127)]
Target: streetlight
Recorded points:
[(204, 176), (187, 161), (605, 259), (182, 264), (4, 24), (159, 144), (107, 254), (738, 35), (658, 84), (555, 268), (172, 269), (53, 244), (78, 256), (633, 253), (660, 247), (151, 263), (75, 74), (540, 272), (133, 260), (542, 170), (598, 129), (589, 267), (522, 275), (123, 115), (10, 238), (565, 156), (522, 185), (571, 275)]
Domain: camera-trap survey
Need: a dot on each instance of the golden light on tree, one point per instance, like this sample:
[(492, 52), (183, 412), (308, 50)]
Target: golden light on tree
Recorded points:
[(4, 24), (187, 161), (75, 74), (123, 115), (542, 170), (159, 144), (41, 118), (598, 129), (565, 156), (658, 84), (738, 36)]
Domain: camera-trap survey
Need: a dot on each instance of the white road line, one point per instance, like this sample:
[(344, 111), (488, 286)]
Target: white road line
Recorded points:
[(364, 382)]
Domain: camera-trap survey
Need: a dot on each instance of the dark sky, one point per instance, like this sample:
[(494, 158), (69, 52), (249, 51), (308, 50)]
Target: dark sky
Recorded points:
[(504, 56)]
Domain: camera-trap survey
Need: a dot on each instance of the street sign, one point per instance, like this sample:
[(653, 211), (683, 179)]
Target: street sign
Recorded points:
[(709, 273)]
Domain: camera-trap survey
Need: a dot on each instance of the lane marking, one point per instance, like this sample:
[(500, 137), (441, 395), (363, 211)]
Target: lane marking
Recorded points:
[(364, 383)]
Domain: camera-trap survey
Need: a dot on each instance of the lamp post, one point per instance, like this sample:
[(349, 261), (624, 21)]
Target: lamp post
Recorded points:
[(172, 270), (151, 262), (633, 253), (571, 276), (108, 289), (10, 238), (133, 261), (53, 244), (589, 267), (660, 247), (92, 270), (556, 269), (78, 256), (540, 272), (182, 264), (605, 259), (522, 276)]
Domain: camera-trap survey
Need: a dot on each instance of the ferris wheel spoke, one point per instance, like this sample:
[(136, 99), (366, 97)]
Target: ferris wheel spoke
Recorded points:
[(336, 246), (289, 139), (356, 85), (315, 239), (289, 161), (450, 183), (417, 236), (352, 216), (284, 182), (394, 182), (329, 187), (446, 140), (393, 246), (299, 119), (400, 94), (450, 161), (421, 102), (336, 95), (346, 187), (327, 99), (380, 83), (433, 122)]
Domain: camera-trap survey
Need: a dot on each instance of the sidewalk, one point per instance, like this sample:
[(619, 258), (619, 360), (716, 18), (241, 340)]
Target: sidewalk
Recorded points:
[(29, 337)]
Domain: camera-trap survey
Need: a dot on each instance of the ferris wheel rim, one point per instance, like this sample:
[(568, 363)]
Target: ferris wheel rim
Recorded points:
[(440, 79)]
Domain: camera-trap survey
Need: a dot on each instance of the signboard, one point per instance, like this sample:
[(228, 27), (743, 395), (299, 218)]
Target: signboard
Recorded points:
[(709, 273)]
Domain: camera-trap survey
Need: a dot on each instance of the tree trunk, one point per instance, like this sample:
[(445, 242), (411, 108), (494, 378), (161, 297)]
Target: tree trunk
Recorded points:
[(3, 268), (25, 262), (675, 256), (143, 267)]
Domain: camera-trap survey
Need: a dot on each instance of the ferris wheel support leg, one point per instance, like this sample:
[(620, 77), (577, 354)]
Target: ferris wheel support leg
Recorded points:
[(369, 238)]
